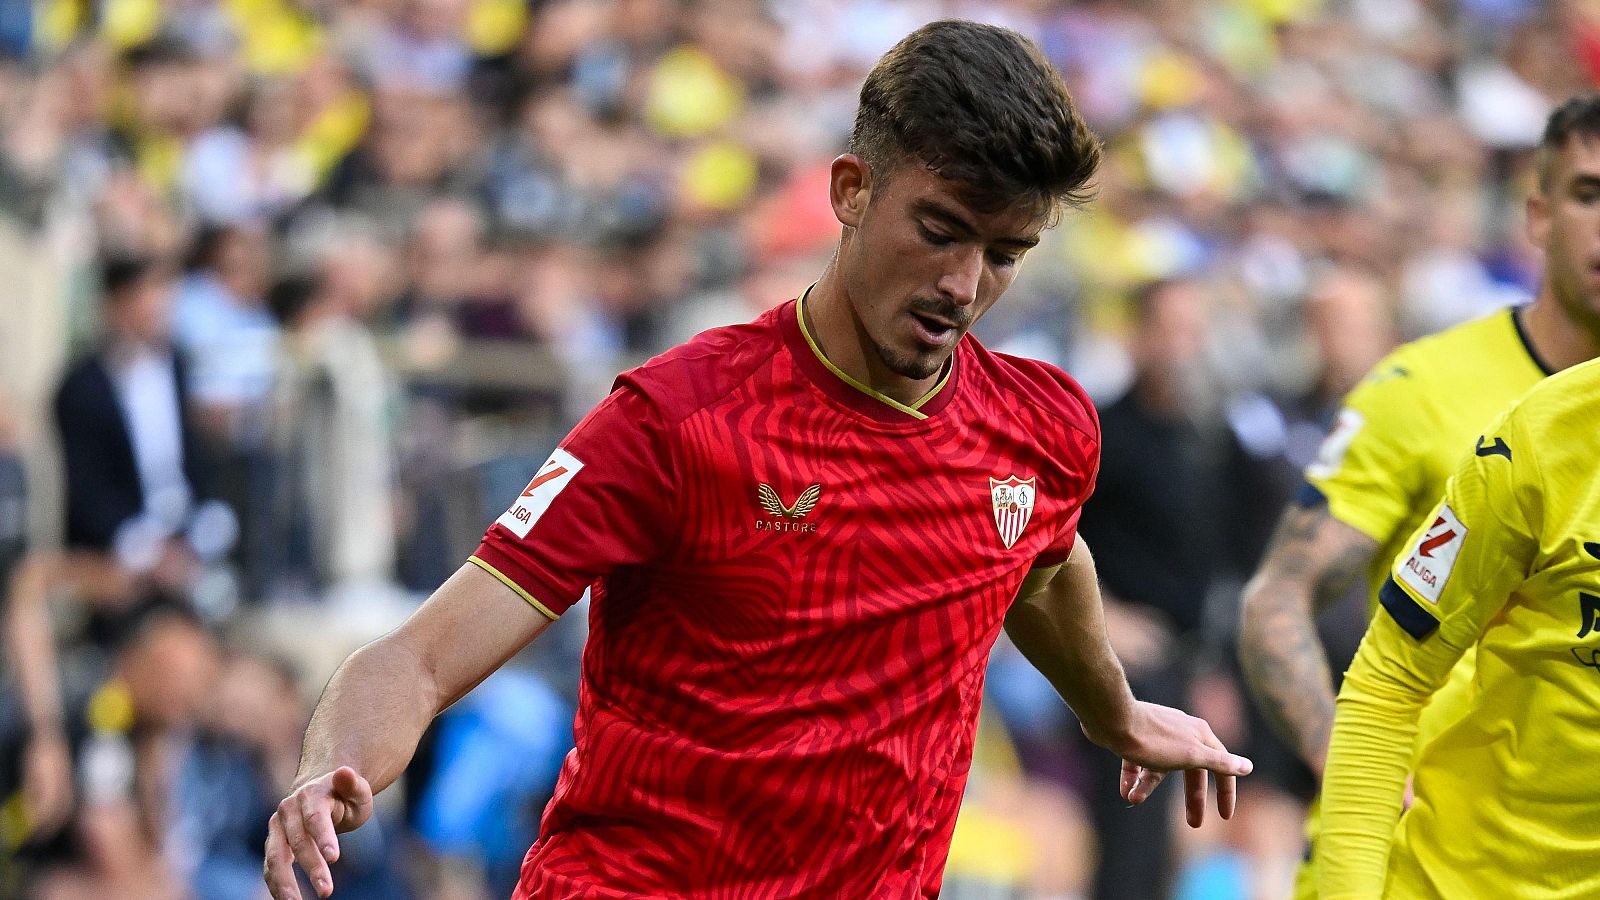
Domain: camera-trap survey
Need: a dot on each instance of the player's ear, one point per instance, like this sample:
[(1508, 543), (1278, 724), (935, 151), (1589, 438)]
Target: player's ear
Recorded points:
[(1536, 220), (849, 189)]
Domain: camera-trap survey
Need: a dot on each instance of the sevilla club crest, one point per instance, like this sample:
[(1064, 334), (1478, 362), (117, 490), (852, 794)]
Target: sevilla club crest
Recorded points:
[(1013, 505)]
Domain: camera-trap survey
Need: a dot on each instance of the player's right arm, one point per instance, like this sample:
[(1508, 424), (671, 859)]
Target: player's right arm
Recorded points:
[(1058, 624), (602, 500), (375, 709), (1312, 560), (1360, 491)]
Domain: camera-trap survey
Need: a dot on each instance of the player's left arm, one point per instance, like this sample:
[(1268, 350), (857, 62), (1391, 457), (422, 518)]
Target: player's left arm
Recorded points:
[(1058, 623), (1456, 574)]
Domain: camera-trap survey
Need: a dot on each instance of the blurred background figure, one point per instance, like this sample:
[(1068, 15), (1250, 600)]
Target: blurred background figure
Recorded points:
[(221, 322), (298, 292), (1167, 527), (135, 473), (127, 741)]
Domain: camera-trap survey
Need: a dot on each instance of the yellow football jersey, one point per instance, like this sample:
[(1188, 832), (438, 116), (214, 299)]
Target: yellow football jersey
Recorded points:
[(1394, 444), (1507, 801), (1404, 428)]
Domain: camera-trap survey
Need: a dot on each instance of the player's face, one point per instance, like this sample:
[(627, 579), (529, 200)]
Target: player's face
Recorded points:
[(1565, 222), (922, 266)]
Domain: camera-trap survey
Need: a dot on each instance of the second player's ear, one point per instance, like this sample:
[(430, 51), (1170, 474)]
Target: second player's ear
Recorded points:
[(1536, 216), (849, 189)]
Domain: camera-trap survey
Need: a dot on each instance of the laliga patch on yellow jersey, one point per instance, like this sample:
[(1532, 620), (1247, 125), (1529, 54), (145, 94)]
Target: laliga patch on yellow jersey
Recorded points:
[(1427, 566), (1330, 455)]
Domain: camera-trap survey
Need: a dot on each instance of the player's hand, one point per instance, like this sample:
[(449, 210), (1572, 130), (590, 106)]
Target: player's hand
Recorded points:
[(1161, 740), (305, 830)]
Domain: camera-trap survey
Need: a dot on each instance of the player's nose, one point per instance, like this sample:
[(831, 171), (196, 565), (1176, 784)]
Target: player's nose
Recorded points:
[(960, 283)]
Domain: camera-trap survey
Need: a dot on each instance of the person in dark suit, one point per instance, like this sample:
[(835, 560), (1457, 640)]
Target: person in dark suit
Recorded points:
[(135, 482)]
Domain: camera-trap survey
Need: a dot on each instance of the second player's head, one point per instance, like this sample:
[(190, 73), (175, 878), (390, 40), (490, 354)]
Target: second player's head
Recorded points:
[(966, 146), (1564, 212)]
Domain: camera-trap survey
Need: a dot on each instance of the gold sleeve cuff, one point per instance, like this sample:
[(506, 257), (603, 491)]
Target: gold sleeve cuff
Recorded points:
[(513, 585)]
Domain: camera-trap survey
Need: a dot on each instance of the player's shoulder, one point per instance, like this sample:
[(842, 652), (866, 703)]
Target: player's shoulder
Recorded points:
[(1480, 350), (1567, 400), (706, 368), (1548, 437), (1022, 384), (1479, 347)]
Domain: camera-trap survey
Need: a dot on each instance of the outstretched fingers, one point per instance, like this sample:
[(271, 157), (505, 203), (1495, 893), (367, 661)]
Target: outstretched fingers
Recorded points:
[(1227, 795), (305, 830), (1227, 767), (316, 815), (278, 871), (1142, 784), (1169, 740), (294, 813), (1130, 777), (1194, 796)]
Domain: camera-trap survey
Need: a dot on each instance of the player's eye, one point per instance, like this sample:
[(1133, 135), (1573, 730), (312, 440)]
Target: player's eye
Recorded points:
[(935, 238), (1585, 190), (1004, 260)]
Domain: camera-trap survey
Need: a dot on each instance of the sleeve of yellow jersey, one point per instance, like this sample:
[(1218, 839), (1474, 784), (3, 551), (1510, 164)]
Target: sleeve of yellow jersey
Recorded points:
[(1456, 572), (1368, 467)]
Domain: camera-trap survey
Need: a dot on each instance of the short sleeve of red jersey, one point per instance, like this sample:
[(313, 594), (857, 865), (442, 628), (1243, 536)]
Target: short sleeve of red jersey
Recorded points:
[(599, 502), (1077, 455)]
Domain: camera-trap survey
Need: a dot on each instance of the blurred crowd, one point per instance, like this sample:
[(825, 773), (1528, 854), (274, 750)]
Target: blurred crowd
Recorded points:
[(298, 292)]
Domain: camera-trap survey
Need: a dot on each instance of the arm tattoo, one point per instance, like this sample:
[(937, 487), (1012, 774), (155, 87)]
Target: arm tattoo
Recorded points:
[(1312, 560)]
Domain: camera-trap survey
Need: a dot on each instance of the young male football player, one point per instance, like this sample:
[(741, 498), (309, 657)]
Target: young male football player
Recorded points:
[(1509, 565), (803, 536), (1399, 436)]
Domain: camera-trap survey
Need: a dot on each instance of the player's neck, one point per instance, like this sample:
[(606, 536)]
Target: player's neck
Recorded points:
[(831, 320), (1558, 340)]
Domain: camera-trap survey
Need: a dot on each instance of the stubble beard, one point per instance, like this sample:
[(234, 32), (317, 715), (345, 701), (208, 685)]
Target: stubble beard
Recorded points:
[(1578, 304), (915, 366)]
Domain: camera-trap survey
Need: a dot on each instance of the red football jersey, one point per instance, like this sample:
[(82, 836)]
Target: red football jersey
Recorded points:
[(796, 586)]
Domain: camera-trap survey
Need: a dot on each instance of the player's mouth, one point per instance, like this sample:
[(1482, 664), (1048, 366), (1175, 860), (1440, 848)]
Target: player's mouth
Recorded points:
[(935, 331)]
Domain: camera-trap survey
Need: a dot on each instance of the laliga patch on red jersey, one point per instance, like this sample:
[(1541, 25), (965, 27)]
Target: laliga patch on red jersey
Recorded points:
[(1013, 506), (551, 479), (1427, 566)]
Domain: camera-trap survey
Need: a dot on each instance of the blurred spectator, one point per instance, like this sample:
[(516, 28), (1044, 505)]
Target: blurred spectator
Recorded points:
[(254, 172), (235, 765), (419, 145), (1347, 315), (136, 483), (442, 254), (35, 767), (422, 48), (1162, 527), (132, 735), (331, 513), (221, 322), (174, 94)]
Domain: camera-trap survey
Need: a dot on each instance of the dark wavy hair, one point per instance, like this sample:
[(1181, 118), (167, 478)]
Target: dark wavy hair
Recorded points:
[(1580, 115), (982, 107)]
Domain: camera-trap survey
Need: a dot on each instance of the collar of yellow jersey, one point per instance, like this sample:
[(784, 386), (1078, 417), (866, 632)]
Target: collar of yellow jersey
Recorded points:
[(914, 410)]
